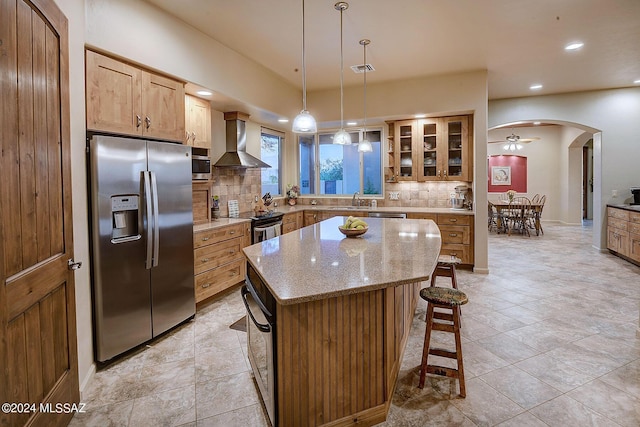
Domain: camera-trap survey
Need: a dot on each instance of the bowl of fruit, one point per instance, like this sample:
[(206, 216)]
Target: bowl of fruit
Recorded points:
[(353, 227)]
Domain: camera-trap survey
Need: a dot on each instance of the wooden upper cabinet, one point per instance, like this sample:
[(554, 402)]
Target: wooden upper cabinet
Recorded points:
[(125, 99), (431, 149), (197, 122)]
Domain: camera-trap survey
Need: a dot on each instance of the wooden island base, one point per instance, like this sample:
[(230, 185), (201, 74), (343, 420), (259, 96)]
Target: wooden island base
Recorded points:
[(338, 358)]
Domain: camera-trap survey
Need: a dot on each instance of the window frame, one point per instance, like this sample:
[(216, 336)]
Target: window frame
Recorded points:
[(315, 179), (281, 140)]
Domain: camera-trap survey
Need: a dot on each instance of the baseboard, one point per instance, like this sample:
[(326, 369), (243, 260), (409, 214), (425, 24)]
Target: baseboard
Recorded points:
[(481, 270), (86, 380)]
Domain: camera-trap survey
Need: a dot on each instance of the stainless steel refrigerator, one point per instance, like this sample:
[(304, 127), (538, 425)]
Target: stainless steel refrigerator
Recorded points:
[(141, 240)]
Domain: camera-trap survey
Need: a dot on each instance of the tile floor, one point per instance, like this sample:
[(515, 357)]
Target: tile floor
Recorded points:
[(549, 338)]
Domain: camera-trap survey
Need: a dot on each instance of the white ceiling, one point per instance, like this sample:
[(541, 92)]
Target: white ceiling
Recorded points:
[(519, 42)]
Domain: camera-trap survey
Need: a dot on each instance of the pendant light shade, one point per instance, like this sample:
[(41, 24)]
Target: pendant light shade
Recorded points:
[(365, 145), (304, 122), (341, 137)]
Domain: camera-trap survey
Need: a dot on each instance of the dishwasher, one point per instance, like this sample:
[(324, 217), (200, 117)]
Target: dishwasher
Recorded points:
[(387, 215)]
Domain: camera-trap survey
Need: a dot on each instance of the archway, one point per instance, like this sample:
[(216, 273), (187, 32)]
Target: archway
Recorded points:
[(556, 166)]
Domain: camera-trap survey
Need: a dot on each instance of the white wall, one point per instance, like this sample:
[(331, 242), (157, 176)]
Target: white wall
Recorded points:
[(74, 11), (615, 113)]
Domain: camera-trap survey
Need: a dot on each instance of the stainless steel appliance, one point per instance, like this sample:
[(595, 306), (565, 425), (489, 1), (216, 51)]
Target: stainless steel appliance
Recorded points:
[(261, 339), (263, 221), (200, 164), (636, 195), (141, 240)]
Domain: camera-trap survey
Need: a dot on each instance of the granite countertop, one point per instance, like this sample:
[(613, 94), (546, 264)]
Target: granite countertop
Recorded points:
[(633, 208), (298, 208), (220, 222), (319, 262)]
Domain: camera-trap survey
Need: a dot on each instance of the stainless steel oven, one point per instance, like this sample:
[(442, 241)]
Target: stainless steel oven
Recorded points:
[(200, 164), (261, 339)]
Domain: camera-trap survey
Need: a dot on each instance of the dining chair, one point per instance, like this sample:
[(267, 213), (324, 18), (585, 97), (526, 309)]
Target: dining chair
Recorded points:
[(492, 218), (535, 199), (538, 213), (519, 212)]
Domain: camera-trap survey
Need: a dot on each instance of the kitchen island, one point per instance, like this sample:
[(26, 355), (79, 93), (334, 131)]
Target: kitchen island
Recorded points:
[(342, 310)]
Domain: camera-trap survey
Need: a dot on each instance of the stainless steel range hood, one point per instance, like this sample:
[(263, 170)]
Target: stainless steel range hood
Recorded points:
[(236, 155)]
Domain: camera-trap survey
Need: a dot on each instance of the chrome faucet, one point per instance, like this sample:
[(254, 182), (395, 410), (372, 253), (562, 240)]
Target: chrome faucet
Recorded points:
[(353, 200)]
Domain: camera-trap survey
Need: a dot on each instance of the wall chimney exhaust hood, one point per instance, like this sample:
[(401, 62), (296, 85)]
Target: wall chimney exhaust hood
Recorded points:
[(236, 155)]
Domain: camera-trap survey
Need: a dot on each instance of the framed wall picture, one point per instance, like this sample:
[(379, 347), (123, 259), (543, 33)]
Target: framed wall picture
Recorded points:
[(500, 175)]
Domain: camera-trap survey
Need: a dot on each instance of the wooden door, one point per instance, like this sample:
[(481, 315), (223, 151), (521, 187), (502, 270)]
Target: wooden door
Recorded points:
[(163, 107), (38, 354), (114, 91)]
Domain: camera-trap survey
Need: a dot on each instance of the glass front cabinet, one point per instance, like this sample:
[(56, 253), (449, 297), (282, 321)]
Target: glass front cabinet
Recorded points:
[(430, 149)]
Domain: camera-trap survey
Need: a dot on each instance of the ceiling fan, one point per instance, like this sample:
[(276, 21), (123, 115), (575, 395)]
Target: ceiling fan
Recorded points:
[(513, 142)]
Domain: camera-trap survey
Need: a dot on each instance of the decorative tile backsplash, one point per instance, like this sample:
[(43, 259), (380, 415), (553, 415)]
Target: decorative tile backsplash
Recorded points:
[(244, 184)]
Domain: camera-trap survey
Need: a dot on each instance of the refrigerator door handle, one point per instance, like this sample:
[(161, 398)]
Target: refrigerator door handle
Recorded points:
[(148, 213), (156, 225)]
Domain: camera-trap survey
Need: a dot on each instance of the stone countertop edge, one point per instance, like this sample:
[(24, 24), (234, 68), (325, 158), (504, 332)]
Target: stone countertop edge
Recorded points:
[(220, 222), (633, 208), (395, 209), (297, 265)]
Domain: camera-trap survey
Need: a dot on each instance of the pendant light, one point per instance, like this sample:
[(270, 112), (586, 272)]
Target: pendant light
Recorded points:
[(304, 122), (365, 145), (341, 137)]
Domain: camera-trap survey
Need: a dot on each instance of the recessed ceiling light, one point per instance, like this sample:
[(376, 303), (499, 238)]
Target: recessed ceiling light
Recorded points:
[(204, 93), (420, 116), (574, 46), (283, 120), (637, 81), (535, 87), (352, 123)]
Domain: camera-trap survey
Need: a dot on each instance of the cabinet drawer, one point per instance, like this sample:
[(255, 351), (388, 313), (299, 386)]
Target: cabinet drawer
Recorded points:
[(620, 224), (618, 213), (452, 219), (420, 215), (216, 235), (212, 256), (461, 251), (634, 217), (292, 226), (290, 219), (218, 279), (459, 234), (633, 227)]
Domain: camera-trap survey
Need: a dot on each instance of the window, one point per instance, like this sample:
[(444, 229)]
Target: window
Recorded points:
[(340, 169), (270, 153)]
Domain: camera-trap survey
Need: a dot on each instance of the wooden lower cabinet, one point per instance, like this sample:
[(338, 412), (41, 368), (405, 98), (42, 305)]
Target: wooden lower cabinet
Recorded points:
[(218, 259), (311, 217), (457, 234), (338, 359), (623, 233), (292, 221)]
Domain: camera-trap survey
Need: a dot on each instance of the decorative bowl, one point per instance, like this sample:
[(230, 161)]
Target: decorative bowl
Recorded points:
[(352, 232)]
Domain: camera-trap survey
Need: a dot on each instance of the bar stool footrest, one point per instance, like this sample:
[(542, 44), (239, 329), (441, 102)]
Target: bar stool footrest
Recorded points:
[(442, 352)]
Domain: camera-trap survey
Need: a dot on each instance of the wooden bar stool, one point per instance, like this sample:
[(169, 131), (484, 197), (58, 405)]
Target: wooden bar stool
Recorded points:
[(446, 268), (451, 299)]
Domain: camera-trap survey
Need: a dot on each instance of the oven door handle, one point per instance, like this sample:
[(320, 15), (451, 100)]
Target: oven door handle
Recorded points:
[(262, 327)]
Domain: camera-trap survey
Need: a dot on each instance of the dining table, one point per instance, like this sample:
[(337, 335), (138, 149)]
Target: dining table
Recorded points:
[(505, 205)]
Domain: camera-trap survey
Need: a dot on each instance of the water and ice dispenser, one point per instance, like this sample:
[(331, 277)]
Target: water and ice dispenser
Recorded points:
[(124, 218)]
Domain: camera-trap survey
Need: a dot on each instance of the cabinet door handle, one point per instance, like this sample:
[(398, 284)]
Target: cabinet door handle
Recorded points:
[(232, 232), (187, 134), (204, 239), (206, 285), (445, 174), (231, 252), (206, 259), (138, 120), (453, 234), (453, 220), (193, 135), (147, 121)]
